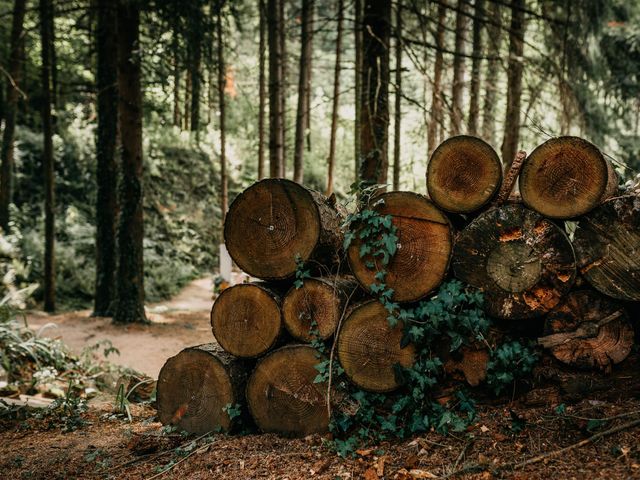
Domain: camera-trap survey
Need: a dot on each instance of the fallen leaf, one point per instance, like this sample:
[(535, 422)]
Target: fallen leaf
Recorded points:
[(380, 466), (484, 429), (370, 474), (365, 453), (416, 473)]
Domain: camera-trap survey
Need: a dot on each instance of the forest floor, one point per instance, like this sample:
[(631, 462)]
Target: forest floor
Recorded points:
[(102, 444)]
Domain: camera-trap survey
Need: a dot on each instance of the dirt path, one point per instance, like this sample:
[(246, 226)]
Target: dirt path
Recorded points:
[(175, 324)]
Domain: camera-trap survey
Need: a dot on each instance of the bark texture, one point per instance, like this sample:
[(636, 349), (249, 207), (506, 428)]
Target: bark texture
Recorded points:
[(276, 114), (336, 102), (435, 117), (457, 85)]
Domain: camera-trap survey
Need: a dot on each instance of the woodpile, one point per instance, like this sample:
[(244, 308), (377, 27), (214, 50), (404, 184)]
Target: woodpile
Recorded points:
[(268, 363)]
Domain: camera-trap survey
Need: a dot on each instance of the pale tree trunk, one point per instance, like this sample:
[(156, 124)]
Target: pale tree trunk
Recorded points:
[(262, 89), (457, 85), (175, 47), (436, 117), (336, 101), (275, 90), (474, 91), (494, 42), (396, 125), (195, 65), (224, 196), (282, 39), (357, 30)]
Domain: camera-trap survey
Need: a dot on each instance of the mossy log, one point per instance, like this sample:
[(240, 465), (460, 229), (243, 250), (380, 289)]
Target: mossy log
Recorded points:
[(464, 174), (566, 177), (316, 307), (607, 242), (246, 319), (423, 248), (196, 385), (523, 262), (369, 348), (275, 221), (588, 330), (282, 396)]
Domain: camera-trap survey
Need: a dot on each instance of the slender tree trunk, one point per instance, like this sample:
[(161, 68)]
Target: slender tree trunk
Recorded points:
[(175, 47), (130, 277), (47, 158), (224, 196), (195, 65), (275, 90), (187, 99), (262, 89), (494, 37), (107, 171), (54, 59), (374, 134), (436, 117), (514, 84), (336, 101), (13, 92), (282, 39), (398, 98), (457, 85), (357, 30), (474, 97), (304, 87)]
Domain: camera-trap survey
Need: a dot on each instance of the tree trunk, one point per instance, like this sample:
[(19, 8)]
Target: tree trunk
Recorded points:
[(304, 87), (187, 98), (457, 85), (275, 221), (374, 132), (130, 275), (463, 174), (313, 311), (436, 117), (175, 47), (494, 41), (246, 319), (566, 177), (107, 171), (423, 248), (262, 89), (275, 90), (369, 349), (11, 108), (398, 98), (195, 66), (522, 261), (196, 386), (282, 40), (357, 31), (588, 330), (47, 159), (283, 396), (474, 90), (606, 242), (336, 101), (514, 83), (51, 15), (224, 196)]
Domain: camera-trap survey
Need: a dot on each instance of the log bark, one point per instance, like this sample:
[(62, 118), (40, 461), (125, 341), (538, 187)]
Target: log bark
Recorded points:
[(195, 387), (282, 396), (523, 262), (316, 306), (246, 319), (464, 174), (423, 248), (276, 220), (369, 348), (606, 243), (588, 330), (566, 177)]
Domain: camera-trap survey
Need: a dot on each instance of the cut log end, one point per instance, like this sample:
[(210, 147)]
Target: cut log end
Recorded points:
[(423, 248), (282, 396), (566, 177), (463, 174), (588, 330), (246, 320), (195, 386), (369, 348)]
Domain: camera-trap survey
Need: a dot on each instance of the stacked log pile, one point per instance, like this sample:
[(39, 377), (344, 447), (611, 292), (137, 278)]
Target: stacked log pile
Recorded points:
[(514, 247)]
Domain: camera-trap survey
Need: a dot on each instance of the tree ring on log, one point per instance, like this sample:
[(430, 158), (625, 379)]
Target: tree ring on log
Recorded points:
[(523, 262), (369, 348), (464, 174), (607, 242), (282, 396), (588, 330), (423, 249), (566, 177), (246, 319)]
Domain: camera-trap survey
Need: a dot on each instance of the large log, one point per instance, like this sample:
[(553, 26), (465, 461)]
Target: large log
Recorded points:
[(607, 242), (588, 330), (523, 262), (196, 386), (282, 396), (275, 221), (316, 307), (566, 177), (369, 348), (463, 175), (423, 248), (246, 319)]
